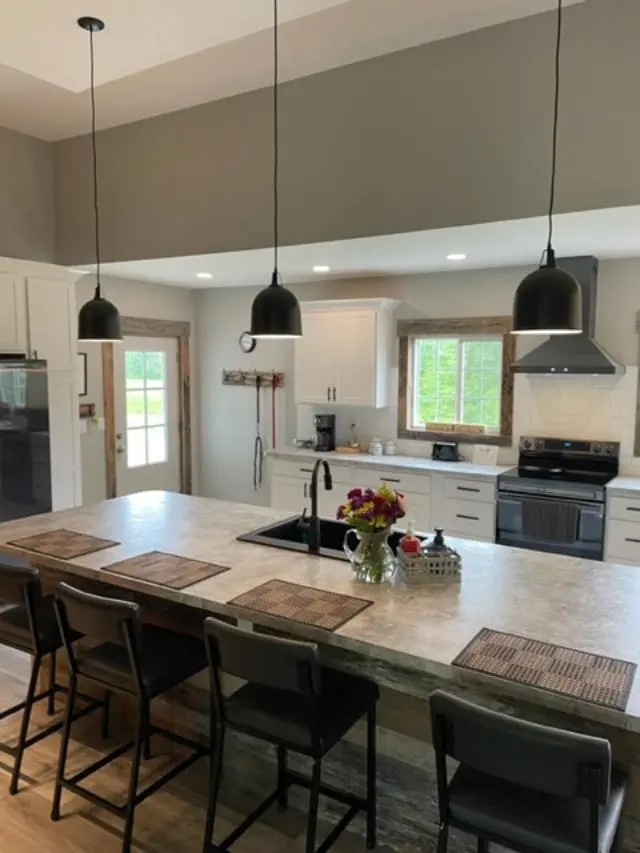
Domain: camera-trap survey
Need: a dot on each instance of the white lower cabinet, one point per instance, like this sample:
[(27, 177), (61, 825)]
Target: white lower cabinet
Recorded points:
[(622, 541), (287, 493)]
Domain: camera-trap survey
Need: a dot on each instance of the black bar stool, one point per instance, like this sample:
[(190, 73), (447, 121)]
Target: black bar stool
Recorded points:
[(133, 659), (295, 704), (28, 624), (525, 786)]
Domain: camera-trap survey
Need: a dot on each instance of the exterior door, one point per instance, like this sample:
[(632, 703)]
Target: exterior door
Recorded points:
[(146, 415)]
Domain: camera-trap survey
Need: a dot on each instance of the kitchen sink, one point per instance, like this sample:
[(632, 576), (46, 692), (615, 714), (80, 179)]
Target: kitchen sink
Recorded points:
[(291, 535)]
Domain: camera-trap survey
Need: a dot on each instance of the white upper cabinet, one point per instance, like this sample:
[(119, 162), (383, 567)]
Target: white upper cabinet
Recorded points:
[(51, 311), (344, 355), (13, 317)]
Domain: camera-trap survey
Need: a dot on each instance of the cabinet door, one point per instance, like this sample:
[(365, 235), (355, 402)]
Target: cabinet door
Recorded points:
[(418, 512), (52, 332), (354, 342), (288, 493), (315, 359), (13, 317)]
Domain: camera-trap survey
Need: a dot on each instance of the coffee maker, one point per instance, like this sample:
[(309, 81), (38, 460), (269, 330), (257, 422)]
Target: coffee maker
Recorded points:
[(325, 438)]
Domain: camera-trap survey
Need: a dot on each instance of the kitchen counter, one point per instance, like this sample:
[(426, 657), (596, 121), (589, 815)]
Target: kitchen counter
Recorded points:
[(624, 486), (396, 462), (418, 630)]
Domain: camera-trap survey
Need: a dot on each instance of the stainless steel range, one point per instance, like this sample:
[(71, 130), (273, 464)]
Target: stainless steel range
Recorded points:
[(555, 499)]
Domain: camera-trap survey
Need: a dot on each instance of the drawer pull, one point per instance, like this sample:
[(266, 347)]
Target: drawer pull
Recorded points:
[(633, 509), (468, 517), (466, 489), (631, 539), (306, 470), (389, 480)]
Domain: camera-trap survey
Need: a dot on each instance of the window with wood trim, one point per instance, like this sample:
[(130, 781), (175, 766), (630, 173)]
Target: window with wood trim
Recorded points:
[(455, 379)]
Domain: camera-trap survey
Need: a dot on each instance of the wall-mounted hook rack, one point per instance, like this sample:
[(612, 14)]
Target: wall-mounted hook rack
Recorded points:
[(249, 378)]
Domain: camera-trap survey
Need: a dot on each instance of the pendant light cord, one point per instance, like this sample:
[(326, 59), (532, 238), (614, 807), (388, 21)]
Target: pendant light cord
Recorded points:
[(94, 150), (556, 114), (276, 162)]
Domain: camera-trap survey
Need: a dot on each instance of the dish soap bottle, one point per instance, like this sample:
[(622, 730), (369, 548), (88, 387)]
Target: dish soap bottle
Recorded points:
[(410, 543)]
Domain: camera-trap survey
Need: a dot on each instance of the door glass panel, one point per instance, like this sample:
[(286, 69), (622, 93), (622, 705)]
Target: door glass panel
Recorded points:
[(136, 448), (146, 397)]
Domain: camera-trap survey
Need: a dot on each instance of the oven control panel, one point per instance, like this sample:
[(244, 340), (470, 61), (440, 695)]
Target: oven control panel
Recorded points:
[(534, 444)]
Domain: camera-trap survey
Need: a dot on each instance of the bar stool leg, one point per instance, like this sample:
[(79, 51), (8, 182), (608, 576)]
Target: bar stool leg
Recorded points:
[(443, 838), (371, 778), (24, 725), (283, 792), (215, 773), (106, 711), (314, 798), (483, 845), (146, 723), (64, 746), (133, 778), (51, 701)]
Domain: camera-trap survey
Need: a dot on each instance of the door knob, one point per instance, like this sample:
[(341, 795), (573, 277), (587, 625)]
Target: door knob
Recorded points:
[(119, 449)]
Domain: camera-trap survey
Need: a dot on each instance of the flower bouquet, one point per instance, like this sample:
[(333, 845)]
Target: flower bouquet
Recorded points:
[(372, 513)]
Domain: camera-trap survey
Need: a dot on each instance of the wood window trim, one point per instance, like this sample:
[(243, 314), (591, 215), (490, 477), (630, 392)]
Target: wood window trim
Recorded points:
[(142, 327), (636, 439), (409, 329)]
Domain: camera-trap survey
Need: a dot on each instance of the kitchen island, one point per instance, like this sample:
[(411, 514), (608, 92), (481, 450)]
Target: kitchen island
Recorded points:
[(405, 641)]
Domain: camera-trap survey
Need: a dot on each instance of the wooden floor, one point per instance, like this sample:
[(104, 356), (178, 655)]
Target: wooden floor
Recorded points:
[(170, 821)]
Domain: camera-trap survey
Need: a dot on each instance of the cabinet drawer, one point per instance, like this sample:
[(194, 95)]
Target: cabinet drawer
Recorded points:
[(624, 509), (470, 489), (400, 480), (623, 541), (472, 519), (303, 468)]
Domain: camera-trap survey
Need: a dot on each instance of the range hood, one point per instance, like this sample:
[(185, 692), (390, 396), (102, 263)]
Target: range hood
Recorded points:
[(571, 354)]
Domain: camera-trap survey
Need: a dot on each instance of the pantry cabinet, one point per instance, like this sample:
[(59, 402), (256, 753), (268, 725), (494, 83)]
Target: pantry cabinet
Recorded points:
[(344, 354)]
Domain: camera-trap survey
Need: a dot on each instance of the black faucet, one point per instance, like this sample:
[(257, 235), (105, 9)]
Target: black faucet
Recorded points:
[(314, 521)]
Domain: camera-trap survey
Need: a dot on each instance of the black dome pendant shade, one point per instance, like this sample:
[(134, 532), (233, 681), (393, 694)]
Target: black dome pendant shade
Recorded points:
[(549, 300), (275, 312), (98, 319)]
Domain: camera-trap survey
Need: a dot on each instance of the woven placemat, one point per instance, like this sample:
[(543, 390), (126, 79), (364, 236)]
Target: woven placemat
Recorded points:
[(581, 675), (166, 569), (62, 543), (305, 604)]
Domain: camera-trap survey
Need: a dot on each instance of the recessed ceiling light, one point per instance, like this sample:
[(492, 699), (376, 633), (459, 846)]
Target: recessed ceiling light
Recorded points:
[(456, 256), (321, 268), (204, 275)]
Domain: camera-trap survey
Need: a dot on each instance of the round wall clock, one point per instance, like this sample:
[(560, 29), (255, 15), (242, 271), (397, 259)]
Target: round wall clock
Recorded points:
[(247, 342)]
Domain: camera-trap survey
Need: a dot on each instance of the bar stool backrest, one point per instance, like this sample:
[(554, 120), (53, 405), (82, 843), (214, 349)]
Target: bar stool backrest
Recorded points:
[(16, 582), (100, 618), (259, 658), (553, 761)]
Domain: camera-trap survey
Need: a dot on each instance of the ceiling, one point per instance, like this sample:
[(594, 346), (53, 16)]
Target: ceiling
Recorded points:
[(612, 233), (156, 56)]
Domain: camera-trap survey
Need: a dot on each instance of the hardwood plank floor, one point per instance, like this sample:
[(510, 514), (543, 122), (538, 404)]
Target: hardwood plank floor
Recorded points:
[(170, 821)]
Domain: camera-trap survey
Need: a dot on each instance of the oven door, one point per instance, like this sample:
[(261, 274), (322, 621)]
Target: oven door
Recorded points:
[(549, 524)]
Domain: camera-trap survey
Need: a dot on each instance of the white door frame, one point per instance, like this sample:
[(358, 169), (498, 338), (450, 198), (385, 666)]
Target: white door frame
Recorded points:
[(141, 327)]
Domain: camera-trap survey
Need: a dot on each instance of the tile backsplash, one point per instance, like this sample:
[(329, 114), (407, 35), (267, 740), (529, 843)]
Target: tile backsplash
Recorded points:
[(588, 407)]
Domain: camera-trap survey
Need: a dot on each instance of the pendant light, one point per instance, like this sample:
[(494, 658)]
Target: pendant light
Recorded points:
[(549, 300), (275, 312), (98, 319)]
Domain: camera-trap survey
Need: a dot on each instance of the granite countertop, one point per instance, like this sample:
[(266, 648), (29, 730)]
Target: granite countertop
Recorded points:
[(578, 603), (623, 485), (396, 463)]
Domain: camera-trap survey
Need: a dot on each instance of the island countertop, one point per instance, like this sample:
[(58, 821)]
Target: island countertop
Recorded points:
[(572, 602)]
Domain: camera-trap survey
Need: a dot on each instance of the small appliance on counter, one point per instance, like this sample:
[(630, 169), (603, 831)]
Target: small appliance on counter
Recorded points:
[(445, 451), (325, 438), (555, 499)]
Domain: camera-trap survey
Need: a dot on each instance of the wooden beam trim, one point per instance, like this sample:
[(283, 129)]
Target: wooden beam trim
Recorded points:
[(455, 326)]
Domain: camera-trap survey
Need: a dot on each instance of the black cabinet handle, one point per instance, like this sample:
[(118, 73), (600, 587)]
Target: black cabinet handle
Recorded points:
[(334, 393), (468, 517), (631, 539), (466, 489), (633, 509), (389, 480), (328, 394), (306, 470), (306, 490)]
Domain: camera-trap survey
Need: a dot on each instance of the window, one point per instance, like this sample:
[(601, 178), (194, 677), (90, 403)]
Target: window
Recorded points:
[(146, 394), (455, 379)]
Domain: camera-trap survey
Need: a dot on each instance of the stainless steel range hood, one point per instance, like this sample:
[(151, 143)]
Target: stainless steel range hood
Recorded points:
[(571, 354)]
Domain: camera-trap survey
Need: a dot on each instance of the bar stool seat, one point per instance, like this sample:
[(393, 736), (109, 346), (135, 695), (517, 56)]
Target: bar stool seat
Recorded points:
[(283, 716), (15, 630), (165, 659), (531, 818)]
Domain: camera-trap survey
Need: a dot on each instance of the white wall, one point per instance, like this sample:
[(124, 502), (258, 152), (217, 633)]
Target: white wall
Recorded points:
[(589, 407), (133, 299)]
